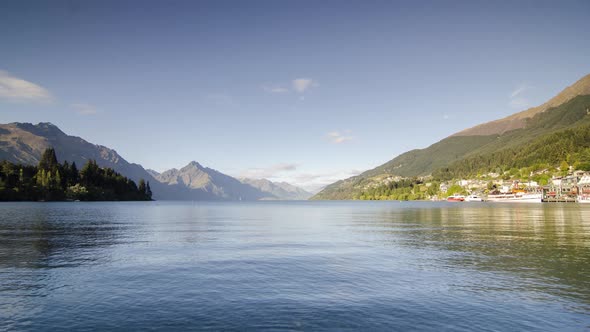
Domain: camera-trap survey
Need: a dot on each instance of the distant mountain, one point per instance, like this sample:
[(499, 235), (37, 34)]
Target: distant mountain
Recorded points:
[(519, 132), (200, 182), (153, 173), (278, 190)]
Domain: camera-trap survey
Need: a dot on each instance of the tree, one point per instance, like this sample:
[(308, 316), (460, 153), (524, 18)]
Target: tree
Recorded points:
[(582, 166), (148, 191), (48, 160), (564, 168), (74, 176), (51, 181), (142, 187)]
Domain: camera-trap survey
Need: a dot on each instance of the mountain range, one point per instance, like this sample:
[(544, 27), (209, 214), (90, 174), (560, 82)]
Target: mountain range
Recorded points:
[(540, 134), (24, 143), (557, 130)]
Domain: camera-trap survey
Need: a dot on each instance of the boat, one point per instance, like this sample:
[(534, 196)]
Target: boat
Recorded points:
[(516, 197), (456, 198), (473, 198), (583, 199)]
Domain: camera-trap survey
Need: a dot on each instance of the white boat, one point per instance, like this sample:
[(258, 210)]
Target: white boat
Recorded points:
[(516, 197), (583, 199), (473, 198)]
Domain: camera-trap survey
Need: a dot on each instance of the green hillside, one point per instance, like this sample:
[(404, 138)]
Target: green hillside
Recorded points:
[(549, 137)]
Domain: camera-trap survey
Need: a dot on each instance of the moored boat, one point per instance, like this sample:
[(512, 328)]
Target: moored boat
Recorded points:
[(473, 198), (456, 198), (516, 197), (583, 199)]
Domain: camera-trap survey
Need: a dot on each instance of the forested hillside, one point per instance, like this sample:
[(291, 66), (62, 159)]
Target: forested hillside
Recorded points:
[(559, 134)]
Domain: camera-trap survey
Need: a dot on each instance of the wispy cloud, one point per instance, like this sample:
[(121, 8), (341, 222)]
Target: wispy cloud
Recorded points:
[(15, 89), (268, 172), (303, 84), (299, 85), (289, 172), (338, 137), (518, 99), (84, 109), (274, 89)]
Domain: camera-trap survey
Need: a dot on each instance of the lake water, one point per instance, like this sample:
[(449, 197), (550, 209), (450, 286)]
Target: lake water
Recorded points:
[(294, 266)]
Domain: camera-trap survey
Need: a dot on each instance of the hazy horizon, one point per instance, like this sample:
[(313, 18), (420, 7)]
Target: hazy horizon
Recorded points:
[(302, 92)]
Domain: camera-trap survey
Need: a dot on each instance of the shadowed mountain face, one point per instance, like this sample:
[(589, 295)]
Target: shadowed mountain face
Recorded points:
[(567, 110), (24, 143), (278, 190)]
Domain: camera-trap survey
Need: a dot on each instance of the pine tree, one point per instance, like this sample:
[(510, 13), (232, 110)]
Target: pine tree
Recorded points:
[(48, 160), (74, 174), (41, 178), (148, 191), (49, 180), (142, 188), (58, 179)]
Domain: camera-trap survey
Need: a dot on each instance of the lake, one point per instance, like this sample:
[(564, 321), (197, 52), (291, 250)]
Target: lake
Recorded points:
[(294, 266)]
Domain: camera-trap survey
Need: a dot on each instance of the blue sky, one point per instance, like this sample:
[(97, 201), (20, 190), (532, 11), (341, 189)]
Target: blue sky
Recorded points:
[(303, 91)]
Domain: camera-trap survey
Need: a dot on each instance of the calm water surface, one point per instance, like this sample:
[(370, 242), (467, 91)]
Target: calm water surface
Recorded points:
[(294, 266)]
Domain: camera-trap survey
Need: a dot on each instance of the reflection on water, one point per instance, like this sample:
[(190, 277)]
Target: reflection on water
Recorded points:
[(546, 244), (294, 265)]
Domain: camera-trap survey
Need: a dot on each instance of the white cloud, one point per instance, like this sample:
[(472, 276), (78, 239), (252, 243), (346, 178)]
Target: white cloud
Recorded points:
[(18, 90), (274, 89), (337, 137), (84, 109), (302, 84), (520, 90), (268, 172), (314, 182), (518, 100), (299, 85), (288, 172)]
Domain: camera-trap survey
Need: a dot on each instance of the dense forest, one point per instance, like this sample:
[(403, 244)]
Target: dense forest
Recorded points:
[(52, 181)]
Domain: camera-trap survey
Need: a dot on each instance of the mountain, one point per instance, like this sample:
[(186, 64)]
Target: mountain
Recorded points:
[(153, 173), (24, 143), (198, 182), (566, 111), (278, 190)]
